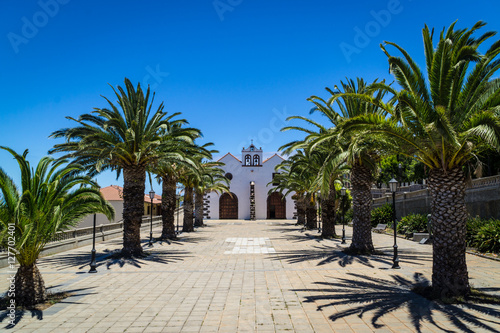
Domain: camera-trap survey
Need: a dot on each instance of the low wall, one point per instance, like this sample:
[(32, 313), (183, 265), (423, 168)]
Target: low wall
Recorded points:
[(75, 238), (482, 198)]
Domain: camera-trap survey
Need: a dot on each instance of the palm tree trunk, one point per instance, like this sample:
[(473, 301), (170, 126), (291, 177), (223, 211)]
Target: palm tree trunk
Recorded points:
[(449, 216), (328, 213), (133, 210), (301, 210), (311, 214), (168, 207), (361, 179), (30, 288), (188, 210), (198, 209)]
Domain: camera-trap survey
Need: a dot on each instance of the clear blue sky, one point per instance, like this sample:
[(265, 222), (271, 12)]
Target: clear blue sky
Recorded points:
[(234, 68)]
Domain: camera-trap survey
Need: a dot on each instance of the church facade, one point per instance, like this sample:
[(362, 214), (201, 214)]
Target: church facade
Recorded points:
[(249, 198)]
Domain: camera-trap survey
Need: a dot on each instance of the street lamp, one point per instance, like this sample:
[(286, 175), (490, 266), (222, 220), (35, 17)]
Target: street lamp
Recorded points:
[(342, 194), (318, 199), (93, 264), (393, 184), (151, 196), (178, 210)]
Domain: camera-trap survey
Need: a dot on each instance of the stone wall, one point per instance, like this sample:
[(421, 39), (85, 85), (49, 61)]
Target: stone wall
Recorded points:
[(482, 198)]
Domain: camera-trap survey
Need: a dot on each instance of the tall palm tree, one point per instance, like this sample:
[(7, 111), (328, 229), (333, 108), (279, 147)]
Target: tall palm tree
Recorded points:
[(444, 119), (191, 178), (327, 160), (127, 138), (53, 197), (363, 151), (168, 173)]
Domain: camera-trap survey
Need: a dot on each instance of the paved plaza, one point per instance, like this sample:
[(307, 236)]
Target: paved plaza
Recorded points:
[(254, 276)]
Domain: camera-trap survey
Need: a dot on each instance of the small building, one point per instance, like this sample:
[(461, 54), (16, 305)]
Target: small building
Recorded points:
[(114, 195), (248, 198)]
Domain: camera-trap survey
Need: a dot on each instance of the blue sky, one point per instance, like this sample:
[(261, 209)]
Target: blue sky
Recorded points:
[(234, 68)]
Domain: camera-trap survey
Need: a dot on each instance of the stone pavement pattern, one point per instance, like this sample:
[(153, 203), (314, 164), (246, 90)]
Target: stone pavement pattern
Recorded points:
[(260, 276)]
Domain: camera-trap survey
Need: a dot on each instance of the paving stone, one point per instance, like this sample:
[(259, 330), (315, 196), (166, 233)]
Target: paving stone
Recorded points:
[(250, 276)]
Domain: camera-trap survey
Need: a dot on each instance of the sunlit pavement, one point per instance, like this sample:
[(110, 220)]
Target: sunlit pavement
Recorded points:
[(259, 276)]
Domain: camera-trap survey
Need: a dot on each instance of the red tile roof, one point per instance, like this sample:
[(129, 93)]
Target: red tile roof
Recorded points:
[(115, 193)]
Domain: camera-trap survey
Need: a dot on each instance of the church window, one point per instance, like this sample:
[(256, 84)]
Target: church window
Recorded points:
[(229, 175), (252, 148), (248, 160), (256, 160)]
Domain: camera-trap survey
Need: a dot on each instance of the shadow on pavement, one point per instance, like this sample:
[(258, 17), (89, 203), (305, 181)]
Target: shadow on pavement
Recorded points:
[(329, 254), (183, 240), (364, 296), (81, 260), (38, 314)]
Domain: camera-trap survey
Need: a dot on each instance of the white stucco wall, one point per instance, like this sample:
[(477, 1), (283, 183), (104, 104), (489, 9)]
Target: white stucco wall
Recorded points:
[(240, 186)]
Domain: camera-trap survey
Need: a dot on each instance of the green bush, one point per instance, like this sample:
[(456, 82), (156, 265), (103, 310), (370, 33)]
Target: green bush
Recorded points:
[(488, 237), (382, 215), (348, 216), (483, 234), (412, 223), (473, 226)]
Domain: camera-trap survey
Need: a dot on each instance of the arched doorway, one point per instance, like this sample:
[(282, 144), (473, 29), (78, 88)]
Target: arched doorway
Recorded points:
[(228, 206), (276, 206)]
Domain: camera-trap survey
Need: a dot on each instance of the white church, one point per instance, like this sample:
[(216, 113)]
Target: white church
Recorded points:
[(249, 198)]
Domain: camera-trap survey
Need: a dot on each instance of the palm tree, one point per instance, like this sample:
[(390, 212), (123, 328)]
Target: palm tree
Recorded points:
[(297, 175), (288, 182), (332, 148), (168, 173), (363, 151), (191, 178), (53, 197), (444, 119), (212, 180), (128, 138)]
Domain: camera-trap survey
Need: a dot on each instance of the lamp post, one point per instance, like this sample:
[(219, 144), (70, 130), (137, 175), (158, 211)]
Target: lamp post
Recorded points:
[(393, 184), (93, 264), (178, 210), (151, 196), (318, 199), (342, 194)]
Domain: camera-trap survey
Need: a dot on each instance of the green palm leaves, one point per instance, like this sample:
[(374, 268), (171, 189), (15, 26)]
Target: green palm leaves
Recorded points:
[(450, 115), (121, 136), (443, 118), (127, 137), (53, 196)]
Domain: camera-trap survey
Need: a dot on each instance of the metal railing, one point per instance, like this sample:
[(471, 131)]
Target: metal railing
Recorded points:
[(102, 229)]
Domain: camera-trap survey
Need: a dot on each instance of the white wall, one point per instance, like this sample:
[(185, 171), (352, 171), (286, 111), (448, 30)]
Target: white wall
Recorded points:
[(102, 219), (240, 186)]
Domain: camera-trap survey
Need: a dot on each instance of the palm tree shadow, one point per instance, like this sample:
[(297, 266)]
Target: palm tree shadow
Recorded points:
[(155, 255), (183, 240), (326, 254), (79, 259), (364, 295), (307, 235), (74, 295), (286, 228)]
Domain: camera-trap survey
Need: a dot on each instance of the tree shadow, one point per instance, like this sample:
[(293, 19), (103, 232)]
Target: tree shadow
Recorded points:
[(36, 312), (307, 235), (68, 260), (154, 255), (368, 295), (329, 254), (182, 240), (287, 228)]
